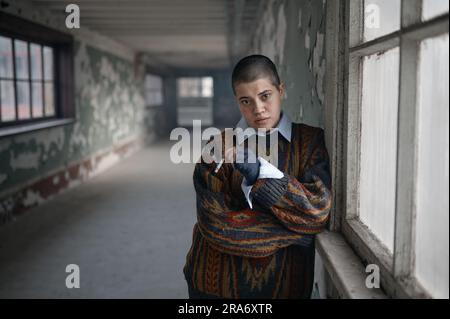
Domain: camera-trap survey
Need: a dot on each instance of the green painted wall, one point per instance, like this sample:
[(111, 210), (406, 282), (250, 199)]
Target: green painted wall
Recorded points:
[(292, 34), (109, 110)]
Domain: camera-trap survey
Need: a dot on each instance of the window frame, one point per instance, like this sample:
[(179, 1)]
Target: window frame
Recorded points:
[(193, 105), (63, 75), (396, 269), (154, 90), (200, 87)]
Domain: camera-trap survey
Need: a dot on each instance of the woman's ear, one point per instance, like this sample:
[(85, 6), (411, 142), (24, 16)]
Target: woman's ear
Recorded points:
[(282, 90)]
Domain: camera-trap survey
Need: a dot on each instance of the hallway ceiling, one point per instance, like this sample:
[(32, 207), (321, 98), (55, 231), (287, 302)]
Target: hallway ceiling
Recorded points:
[(176, 33)]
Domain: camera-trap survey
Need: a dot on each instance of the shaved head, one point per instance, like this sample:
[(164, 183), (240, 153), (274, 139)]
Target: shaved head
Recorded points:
[(252, 68)]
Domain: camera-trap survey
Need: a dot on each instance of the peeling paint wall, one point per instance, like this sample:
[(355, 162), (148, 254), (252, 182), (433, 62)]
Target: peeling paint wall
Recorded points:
[(109, 101), (109, 113), (292, 33), (109, 109)]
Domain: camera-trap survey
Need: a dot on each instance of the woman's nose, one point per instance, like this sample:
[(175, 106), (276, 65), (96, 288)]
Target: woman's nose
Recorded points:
[(259, 108)]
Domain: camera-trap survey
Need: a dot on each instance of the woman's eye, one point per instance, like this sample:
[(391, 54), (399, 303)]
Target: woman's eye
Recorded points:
[(265, 96), (245, 102)]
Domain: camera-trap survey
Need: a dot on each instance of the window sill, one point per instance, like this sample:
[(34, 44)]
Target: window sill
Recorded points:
[(345, 269), (16, 130)]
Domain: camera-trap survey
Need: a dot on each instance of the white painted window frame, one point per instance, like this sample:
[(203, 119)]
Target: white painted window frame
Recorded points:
[(345, 50)]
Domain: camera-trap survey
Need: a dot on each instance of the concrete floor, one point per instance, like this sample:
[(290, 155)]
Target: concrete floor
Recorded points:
[(128, 230)]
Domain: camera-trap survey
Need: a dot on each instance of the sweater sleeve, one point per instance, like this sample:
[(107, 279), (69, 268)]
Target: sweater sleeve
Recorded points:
[(302, 205), (267, 170), (232, 229)]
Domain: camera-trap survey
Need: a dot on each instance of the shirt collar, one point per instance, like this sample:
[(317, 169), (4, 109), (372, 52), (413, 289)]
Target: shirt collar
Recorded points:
[(284, 126)]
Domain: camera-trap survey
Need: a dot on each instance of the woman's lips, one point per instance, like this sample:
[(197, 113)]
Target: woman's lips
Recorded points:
[(262, 120)]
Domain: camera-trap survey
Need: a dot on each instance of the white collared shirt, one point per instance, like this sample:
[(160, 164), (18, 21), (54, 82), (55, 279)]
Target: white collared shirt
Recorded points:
[(267, 170)]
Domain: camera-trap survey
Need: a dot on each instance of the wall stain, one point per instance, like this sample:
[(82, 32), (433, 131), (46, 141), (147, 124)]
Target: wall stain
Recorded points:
[(292, 34)]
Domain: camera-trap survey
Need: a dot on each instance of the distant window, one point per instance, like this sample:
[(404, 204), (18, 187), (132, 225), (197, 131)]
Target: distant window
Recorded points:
[(153, 90), (195, 87), (195, 100), (36, 73)]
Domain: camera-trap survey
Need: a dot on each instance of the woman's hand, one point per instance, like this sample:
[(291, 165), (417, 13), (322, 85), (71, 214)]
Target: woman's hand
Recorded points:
[(245, 161)]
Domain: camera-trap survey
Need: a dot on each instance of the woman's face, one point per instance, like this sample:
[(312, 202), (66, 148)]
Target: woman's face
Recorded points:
[(260, 103)]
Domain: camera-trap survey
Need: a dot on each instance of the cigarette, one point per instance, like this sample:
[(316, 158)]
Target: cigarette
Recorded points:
[(223, 159), (219, 166)]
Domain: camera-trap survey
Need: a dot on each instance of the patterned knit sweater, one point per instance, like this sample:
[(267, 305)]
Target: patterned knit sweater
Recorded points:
[(267, 251)]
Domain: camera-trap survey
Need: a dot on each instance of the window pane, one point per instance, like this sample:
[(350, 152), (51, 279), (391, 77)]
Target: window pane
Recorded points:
[(23, 99), (36, 88), (36, 61), (432, 222), (6, 62), (153, 90), (434, 8), (153, 82), (8, 100), (379, 144), (189, 87), (49, 100), (21, 53), (48, 63), (381, 17), (153, 98), (207, 87)]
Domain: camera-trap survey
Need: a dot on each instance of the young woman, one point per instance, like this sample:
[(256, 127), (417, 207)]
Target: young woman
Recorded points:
[(254, 237)]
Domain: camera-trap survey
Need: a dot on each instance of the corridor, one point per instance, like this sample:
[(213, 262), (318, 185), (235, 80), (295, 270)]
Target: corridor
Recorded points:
[(94, 94), (127, 229)]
